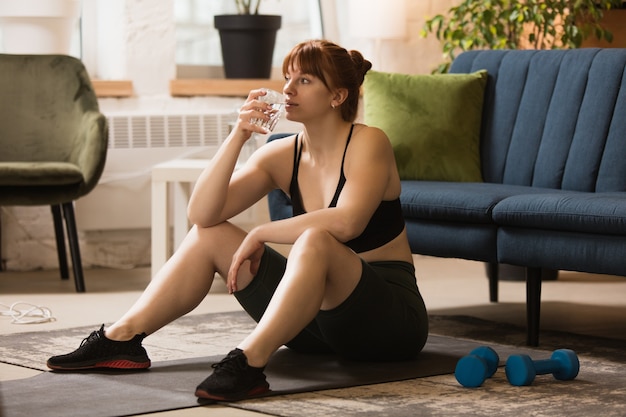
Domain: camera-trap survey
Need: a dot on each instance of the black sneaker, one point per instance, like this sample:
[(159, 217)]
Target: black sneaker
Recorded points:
[(96, 351), (233, 379)]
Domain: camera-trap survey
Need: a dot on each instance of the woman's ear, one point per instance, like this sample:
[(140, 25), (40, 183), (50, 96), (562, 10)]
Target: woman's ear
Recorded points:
[(340, 95)]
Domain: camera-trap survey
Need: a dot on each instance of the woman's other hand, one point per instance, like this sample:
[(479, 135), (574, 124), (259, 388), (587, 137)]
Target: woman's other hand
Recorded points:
[(251, 249)]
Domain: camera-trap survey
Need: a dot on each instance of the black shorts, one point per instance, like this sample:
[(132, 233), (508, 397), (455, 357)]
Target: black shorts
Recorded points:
[(383, 319)]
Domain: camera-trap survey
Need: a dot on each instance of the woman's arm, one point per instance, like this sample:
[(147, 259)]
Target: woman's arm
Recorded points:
[(221, 192)]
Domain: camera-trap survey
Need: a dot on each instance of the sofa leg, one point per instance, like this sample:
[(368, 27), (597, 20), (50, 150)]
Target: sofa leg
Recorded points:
[(57, 218), (533, 305), (493, 271), (72, 236), (1, 260)]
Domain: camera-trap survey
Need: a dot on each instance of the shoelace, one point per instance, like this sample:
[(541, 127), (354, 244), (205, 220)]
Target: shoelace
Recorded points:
[(229, 364), (93, 336), (28, 314)]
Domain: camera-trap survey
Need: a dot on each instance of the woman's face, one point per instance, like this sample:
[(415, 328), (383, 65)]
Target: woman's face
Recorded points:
[(307, 96)]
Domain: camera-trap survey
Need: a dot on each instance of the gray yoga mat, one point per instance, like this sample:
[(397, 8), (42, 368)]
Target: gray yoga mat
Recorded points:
[(170, 385)]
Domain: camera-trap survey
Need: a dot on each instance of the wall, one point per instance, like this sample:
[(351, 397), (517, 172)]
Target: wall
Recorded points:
[(613, 20), (414, 55), (136, 41)]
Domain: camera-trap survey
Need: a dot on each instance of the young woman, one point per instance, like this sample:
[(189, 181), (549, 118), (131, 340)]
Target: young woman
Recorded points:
[(349, 284)]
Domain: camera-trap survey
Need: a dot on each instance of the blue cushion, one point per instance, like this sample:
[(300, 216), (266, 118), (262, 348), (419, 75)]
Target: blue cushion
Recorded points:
[(457, 201), (475, 241), (602, 213), (554, 249)]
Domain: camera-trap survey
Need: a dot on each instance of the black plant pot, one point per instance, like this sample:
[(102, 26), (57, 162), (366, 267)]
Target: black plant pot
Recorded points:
[(247, 44)]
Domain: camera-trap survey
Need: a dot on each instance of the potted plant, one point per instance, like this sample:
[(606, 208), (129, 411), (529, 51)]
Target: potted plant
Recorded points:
[(247, 39), (509, 24)]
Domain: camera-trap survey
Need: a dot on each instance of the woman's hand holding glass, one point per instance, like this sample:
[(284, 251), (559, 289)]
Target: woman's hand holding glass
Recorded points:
[(261, 111)]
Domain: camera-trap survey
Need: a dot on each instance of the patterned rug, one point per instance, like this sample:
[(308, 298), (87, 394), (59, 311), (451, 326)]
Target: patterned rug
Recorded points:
[(599, 389)]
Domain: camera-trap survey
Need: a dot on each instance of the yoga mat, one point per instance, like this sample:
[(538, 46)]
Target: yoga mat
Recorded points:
[(183, 351), (170, 385)]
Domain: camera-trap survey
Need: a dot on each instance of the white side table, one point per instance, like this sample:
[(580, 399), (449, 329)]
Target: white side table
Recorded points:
[(172, 182), (181, 173)]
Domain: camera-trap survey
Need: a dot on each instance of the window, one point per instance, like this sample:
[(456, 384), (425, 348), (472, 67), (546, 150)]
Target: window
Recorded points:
[(198, 51)]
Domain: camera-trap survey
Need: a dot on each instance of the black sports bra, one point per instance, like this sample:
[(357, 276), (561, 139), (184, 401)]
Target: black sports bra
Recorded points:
[(385, 224)]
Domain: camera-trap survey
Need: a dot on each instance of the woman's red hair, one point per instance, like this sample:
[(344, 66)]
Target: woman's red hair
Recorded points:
[(335, 66)]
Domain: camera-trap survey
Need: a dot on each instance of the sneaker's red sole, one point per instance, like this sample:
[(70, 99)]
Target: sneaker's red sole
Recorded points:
[(236, 397), (122, 364), (113, 364)]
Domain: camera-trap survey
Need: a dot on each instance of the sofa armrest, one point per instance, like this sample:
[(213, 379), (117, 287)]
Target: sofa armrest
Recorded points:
[(278, 202)]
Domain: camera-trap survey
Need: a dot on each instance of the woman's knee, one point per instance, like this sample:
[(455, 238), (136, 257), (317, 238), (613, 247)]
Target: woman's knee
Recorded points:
[(316, 240), (203, 237), (216, 241), (221, 234), (213, 246)]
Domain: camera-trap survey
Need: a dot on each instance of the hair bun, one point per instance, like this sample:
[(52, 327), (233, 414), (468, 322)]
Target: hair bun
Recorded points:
[(361, 64)]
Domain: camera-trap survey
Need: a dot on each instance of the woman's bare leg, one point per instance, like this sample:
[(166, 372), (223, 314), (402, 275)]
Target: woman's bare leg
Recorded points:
[(183, 282), (321, 273)]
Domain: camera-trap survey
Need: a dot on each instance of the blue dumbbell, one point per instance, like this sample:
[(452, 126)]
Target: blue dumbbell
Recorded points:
[(521, 369), (472, 370)]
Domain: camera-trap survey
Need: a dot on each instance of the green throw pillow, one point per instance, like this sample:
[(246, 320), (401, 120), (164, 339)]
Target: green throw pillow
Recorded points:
[(433, 122)]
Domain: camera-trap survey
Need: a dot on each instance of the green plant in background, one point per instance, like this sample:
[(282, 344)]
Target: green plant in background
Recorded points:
[(509, 24), (246, 7)]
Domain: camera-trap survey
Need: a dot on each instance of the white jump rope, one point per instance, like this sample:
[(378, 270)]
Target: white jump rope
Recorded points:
[(26, 313)]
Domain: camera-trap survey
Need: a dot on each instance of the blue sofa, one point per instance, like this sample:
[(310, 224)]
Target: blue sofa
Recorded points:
[(553, 160)]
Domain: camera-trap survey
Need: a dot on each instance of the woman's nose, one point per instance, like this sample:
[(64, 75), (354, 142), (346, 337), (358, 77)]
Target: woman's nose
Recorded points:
[(287, 89)]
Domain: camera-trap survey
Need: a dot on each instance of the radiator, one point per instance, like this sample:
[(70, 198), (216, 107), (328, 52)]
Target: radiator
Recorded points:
[(149, 131)]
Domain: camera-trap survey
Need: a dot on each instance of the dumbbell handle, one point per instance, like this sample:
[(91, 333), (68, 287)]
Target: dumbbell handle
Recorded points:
[(546, 366), (521, 370)]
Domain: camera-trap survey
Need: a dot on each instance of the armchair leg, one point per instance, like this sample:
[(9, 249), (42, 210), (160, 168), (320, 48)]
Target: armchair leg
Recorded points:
[(533, 305), (72, 235), (60, 238)]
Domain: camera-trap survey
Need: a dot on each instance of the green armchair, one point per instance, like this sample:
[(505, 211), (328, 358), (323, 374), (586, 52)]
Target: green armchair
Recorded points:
[(53, 141)]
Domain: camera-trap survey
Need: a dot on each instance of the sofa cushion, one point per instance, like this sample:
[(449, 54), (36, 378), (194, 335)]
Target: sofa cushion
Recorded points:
[(565, 211), (457, 201), (433, 122), (556, 249)]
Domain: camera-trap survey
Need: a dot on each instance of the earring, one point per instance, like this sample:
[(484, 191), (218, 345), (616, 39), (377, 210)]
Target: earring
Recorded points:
[(332, 105)]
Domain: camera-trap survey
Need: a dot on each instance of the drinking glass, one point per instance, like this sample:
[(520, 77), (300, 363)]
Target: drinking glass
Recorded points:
[(277, 101)]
